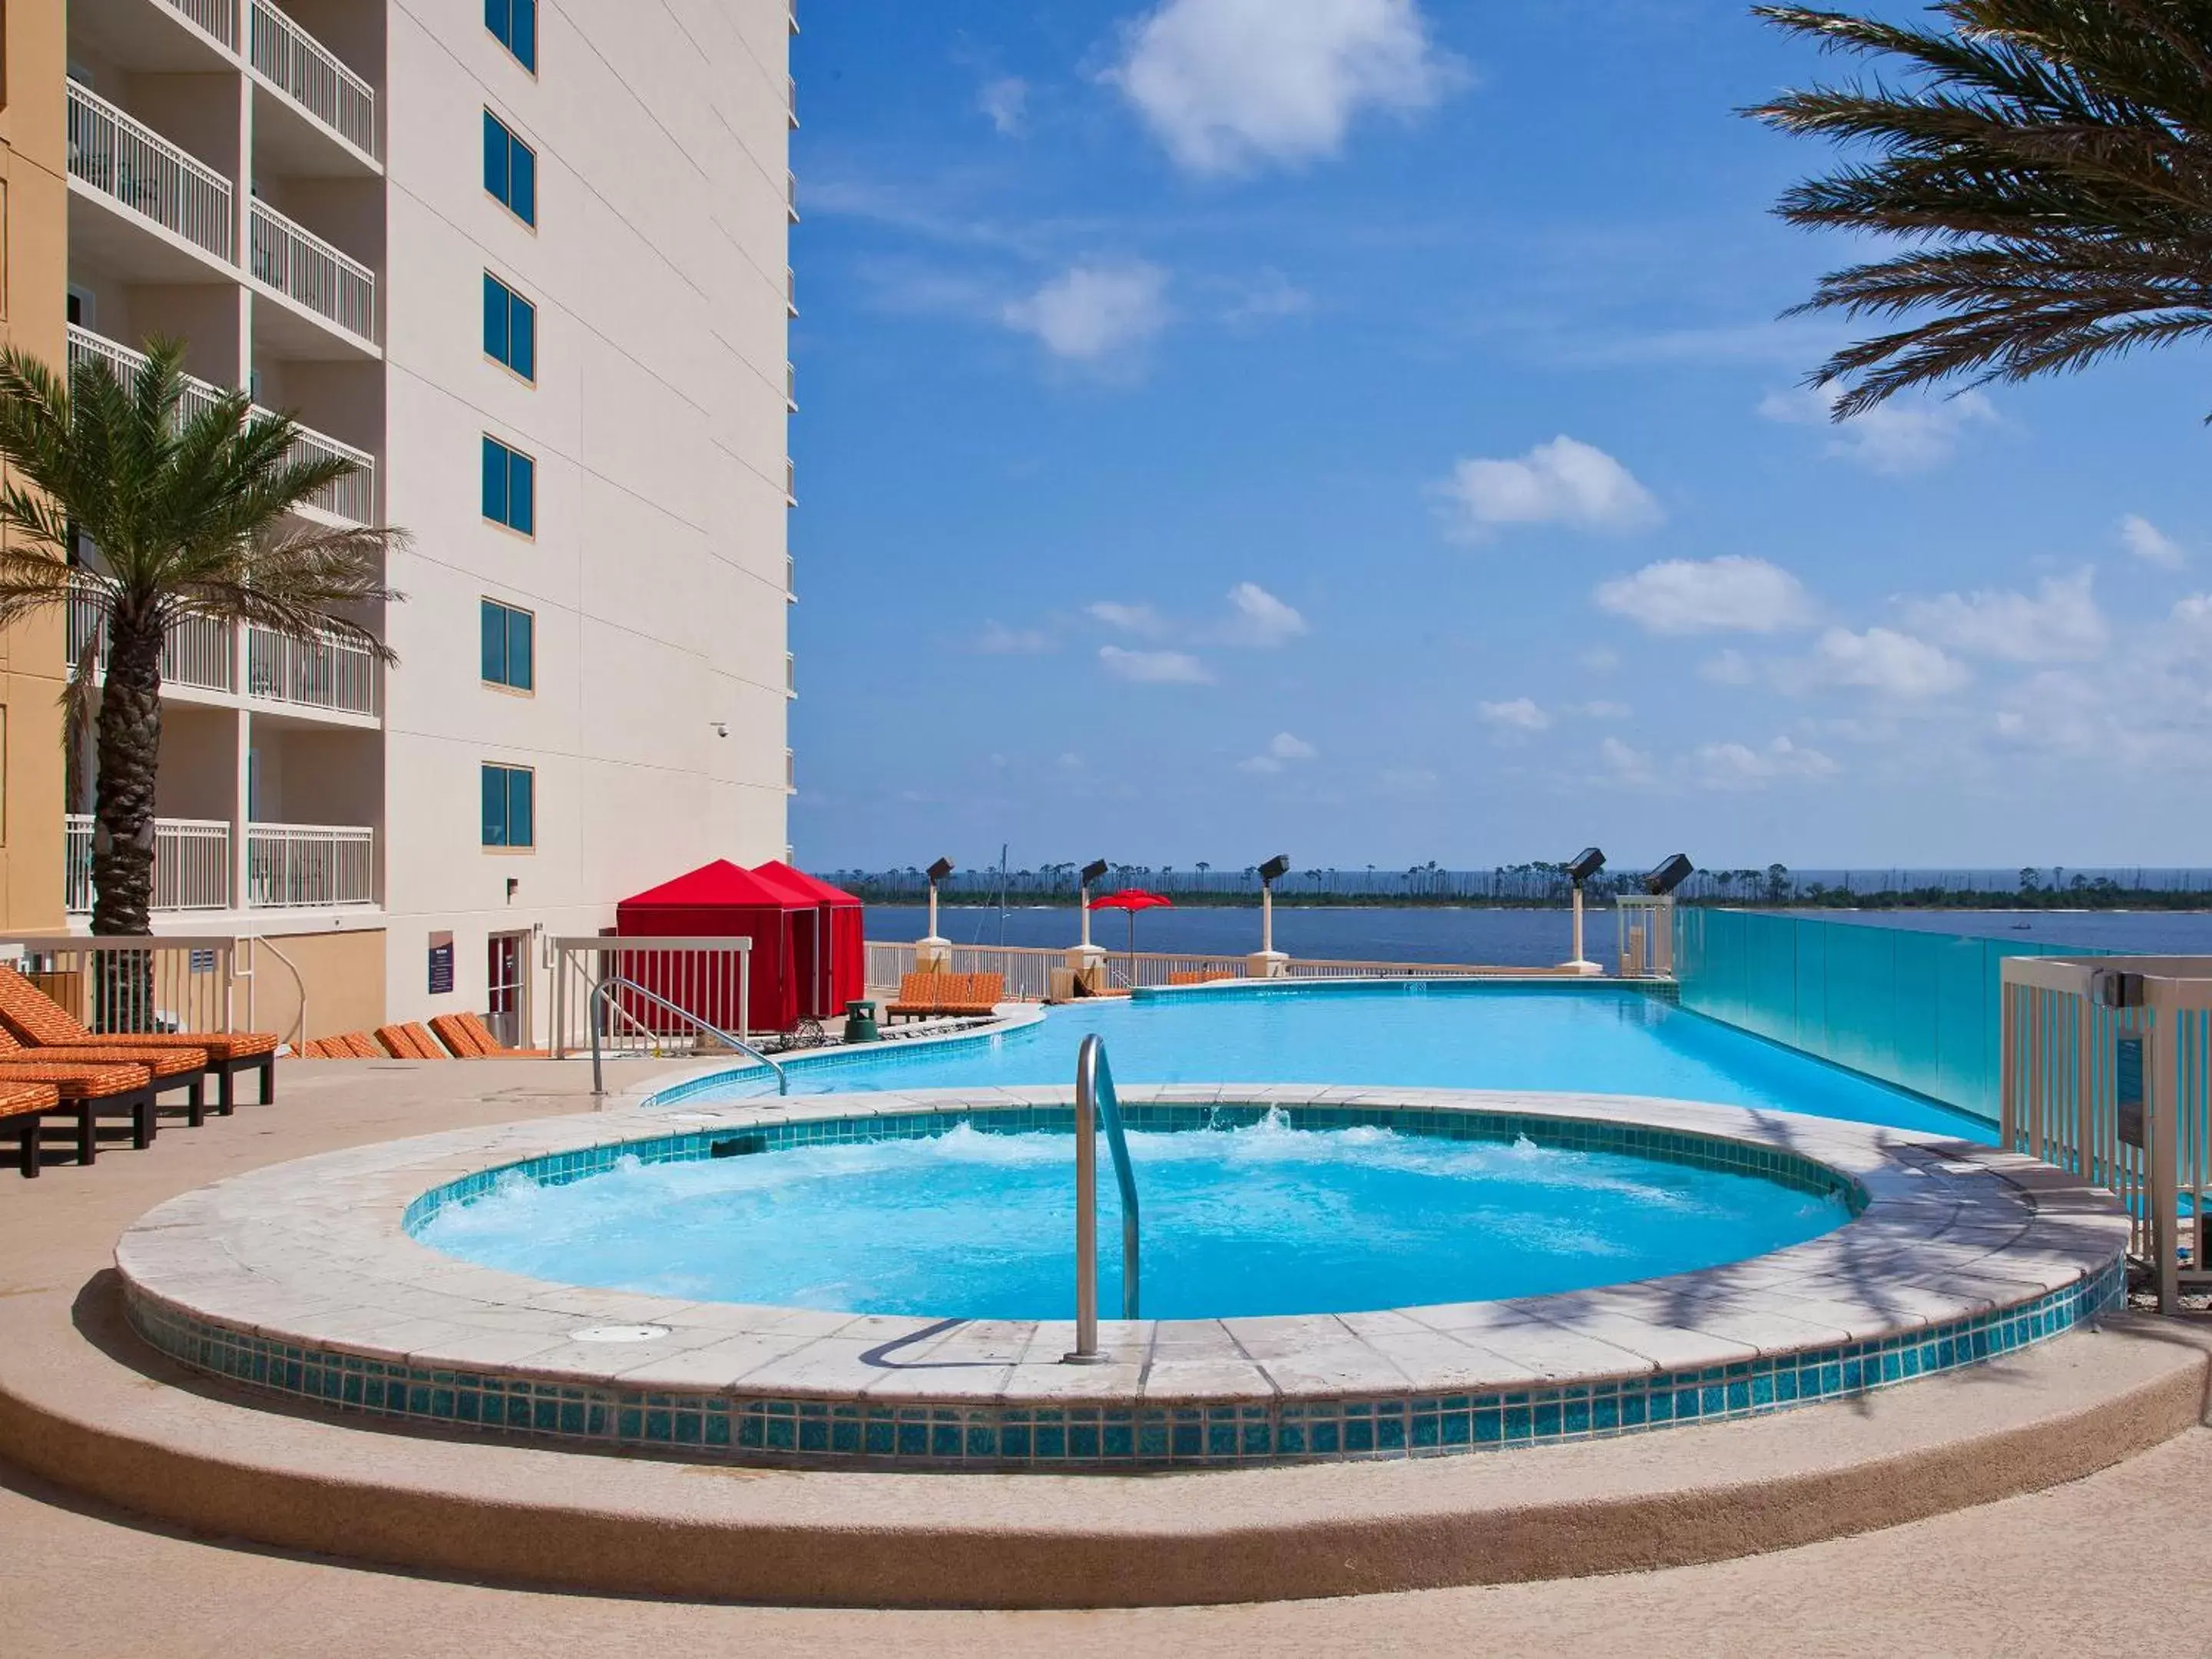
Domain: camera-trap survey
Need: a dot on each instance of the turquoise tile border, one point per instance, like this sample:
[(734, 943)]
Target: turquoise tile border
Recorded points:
[(734, 1426)]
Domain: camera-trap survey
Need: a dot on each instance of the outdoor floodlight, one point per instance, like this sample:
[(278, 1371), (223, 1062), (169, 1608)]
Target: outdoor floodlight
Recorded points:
[(1669, 876), (942, 868), (1093, 870), (1276, 867), (1586, 864)]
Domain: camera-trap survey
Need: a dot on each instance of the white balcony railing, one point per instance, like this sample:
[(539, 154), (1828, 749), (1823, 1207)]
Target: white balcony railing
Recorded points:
[(216, 18), (331, 674), (302, 266), (131, 162), (312, 74), (192, 864), (85, 346), (289, 865), (199, 652)]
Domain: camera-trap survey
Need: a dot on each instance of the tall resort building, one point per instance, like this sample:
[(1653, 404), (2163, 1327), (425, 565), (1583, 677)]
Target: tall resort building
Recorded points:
[(527, 265)]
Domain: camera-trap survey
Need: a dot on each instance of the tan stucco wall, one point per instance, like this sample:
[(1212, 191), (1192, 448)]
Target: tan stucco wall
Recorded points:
[(343, 972), (34, 279)]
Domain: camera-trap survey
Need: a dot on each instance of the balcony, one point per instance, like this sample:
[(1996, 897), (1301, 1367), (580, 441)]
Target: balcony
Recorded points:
[(287, 865), (310, 74), (131, 165), (216, 19), (304, 268), (330, 674), (352, 499), (309, 865), (199, 652)]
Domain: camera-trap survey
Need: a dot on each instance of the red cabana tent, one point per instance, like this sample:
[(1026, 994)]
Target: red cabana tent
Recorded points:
[(719, 900), (831, 948)]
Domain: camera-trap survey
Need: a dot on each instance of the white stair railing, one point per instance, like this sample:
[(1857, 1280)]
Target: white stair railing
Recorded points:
[(311, 73), (136, 166), (302, 266)]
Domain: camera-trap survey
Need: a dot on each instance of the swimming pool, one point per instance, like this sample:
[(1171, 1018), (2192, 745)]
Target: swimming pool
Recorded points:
[(1249, 1215), (1427, 1034)]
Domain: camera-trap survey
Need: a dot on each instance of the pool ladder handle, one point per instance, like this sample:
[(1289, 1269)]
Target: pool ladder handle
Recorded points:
[(619, 982), (1095, 1098)]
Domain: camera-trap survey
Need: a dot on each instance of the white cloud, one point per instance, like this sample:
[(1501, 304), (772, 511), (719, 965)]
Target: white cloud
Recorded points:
[(2060, 623), (1259, 619), (1730, 594), (1005, 100), (1521, 715), (1093, 313), (1599, 660), (1727, 668), (1883, 661), (1229, 85), (997, 639), (2151, 545), (1563, 482), (1738, 766), (1624, 765), (1139, 619), (1283, 749), (1896, 437), (1154, 667)]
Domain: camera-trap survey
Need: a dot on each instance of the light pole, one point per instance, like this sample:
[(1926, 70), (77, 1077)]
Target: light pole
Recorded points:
[(1086, 958), (933, 954), (1586, 864), (1269, 963)]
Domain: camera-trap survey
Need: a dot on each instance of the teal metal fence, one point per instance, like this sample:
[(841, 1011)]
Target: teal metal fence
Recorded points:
[(1924, 1010)]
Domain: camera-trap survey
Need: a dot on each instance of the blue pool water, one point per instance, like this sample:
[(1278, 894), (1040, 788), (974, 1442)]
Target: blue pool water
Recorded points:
[(1264, 1218), (1583, 1040)]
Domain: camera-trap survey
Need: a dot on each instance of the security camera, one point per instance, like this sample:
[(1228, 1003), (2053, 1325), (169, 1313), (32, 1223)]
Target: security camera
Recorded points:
[(722, 728)]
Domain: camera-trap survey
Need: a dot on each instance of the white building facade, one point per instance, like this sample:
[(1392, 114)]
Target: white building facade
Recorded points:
[(529, 266)]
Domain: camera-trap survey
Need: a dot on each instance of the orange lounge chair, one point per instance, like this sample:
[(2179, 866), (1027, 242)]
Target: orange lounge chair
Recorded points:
[(38, 1019), (925, 994), (346, 1045), (470, 1038), (92, 1091), (409, 1041), (172, 1067), (23, 1106), (920, 992)]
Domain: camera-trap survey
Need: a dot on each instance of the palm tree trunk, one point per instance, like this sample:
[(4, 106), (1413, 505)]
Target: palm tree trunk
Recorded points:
[(129, 757)]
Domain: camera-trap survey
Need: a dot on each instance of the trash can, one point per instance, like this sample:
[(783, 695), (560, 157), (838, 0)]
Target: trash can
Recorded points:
[(861, 1022)]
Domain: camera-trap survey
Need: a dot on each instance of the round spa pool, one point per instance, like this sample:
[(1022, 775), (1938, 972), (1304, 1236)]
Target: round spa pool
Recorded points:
[(1245, 1213)]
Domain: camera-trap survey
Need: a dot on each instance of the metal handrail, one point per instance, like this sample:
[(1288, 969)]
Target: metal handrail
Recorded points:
[(616, 982), (1095, 1098)]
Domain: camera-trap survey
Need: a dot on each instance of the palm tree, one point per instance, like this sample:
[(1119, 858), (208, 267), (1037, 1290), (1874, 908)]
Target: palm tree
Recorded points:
[(2050, 163), (187, 514)]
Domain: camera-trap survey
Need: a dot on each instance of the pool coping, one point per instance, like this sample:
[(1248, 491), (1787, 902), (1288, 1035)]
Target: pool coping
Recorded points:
[(300, 1280)]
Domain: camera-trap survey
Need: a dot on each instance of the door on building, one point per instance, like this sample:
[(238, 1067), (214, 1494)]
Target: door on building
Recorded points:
[(507, 978)]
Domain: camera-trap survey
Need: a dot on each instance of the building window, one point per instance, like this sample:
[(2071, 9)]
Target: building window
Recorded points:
[(510, 170), (510, 647), (513, 24), (510, 487), (510, 806), (510, 328)]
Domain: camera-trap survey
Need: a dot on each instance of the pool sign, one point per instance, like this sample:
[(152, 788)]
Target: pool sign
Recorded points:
[(441, 963), (2128, 1090)]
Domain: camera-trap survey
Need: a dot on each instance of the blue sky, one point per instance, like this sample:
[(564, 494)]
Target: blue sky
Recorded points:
[(1362, 429)]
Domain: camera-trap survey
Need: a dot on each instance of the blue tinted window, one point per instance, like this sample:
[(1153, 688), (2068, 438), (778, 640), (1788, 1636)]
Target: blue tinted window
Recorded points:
[(510, 170), (510, 806), (510, 328), (509, 645), (510, 487), (513, 24)]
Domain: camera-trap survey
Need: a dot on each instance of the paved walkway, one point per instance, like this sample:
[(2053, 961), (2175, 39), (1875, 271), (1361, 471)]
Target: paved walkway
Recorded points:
[(2081, 1569)]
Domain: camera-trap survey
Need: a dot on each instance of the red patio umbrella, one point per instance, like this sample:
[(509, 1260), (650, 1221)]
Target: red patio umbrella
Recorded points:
[(1132, 899)]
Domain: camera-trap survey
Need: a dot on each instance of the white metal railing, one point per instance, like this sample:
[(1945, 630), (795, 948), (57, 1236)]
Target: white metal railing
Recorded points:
[(294, 865), (192, 864), (318, 673), (1028, 970), (790, 291), (200, 652), (696, 986), (85, 346), (352, 497), (216, 18), (176, 983), (313, 75), (129, 161), (302, 266)]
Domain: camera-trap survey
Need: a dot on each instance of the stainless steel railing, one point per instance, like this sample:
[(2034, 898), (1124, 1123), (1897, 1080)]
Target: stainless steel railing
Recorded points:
[(1094, 1099), (613, 983)]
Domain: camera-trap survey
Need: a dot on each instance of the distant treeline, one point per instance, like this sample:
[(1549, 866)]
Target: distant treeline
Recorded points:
[(1540, 884)]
